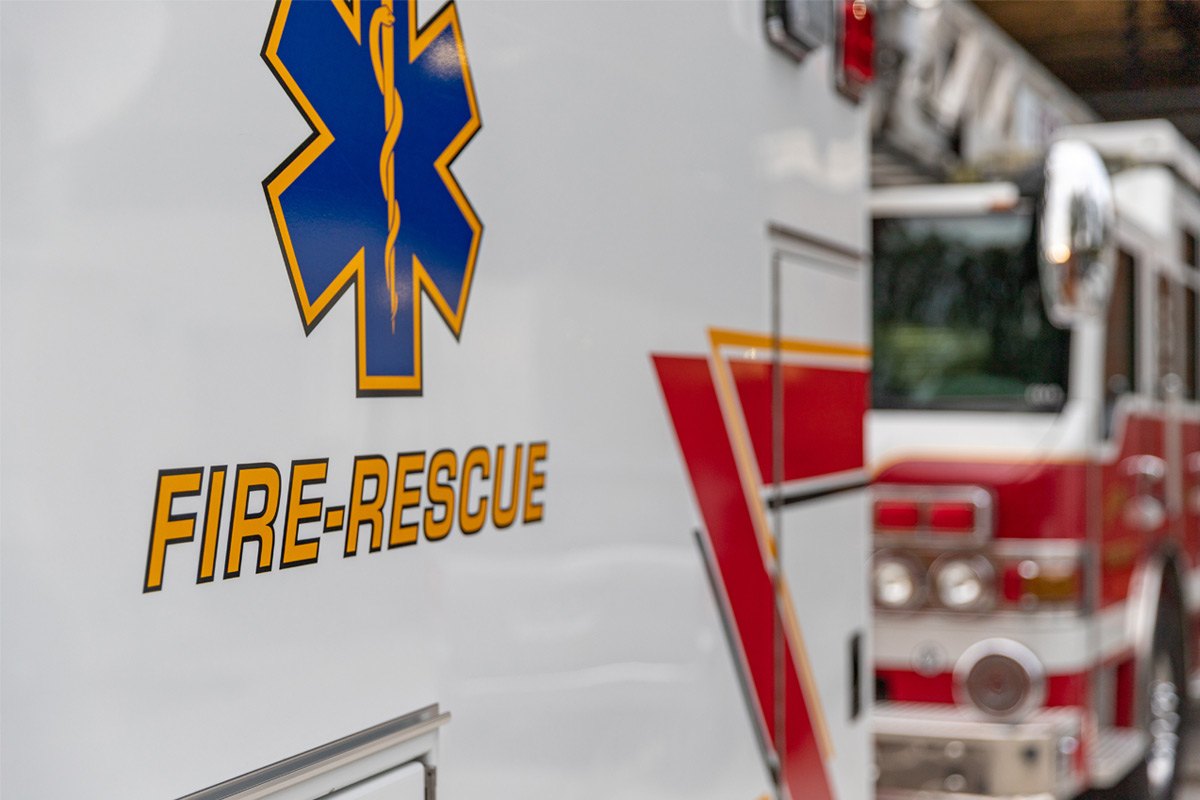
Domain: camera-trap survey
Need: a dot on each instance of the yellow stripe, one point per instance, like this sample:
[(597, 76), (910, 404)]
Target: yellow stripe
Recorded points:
[(727, 338), (746, 470)]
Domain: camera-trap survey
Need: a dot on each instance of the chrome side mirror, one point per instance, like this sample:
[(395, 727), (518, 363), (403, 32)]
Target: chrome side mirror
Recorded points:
[(1075, 244)]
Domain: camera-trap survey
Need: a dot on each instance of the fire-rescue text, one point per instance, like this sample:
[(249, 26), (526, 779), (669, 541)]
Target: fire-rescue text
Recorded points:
[(266, 521)]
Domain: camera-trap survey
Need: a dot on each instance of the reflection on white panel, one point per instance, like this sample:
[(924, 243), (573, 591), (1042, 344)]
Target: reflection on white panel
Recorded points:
[(822, 297), (402, 783)]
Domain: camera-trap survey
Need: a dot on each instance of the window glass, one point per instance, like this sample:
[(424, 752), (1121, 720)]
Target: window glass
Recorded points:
[(1192, 328), (1166, 332), (1119, 374), (1189, 350), (959, 321)]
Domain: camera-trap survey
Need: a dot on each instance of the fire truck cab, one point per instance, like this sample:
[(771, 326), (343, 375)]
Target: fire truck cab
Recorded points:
[(1035, 445)]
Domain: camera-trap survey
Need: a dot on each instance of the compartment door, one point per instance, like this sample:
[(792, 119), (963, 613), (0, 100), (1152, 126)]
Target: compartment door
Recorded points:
[(402, 783), (816, 495)]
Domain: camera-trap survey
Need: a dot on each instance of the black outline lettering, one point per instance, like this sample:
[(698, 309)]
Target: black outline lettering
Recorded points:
[(353, 521), (434, 487), (329, 512), (510, 513), (401, 493), (468, 522), (168, 540), (236, 516), (534, 512), (212, 526), (297, 503)]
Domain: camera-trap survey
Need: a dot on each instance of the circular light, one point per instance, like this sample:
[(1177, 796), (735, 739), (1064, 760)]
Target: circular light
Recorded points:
[(895, 581), (964, 583), (1000, 677), (998, 685)]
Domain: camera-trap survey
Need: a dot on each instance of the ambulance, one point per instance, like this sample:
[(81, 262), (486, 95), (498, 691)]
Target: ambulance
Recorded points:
[(408, 401), (1035, 447)]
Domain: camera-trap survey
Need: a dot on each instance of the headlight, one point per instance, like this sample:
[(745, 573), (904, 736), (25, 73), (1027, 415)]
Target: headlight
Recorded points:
[(1000, 677), (964, 583), (896, 581)]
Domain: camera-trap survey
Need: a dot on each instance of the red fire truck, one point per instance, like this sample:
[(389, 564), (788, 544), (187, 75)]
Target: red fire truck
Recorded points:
[(1035, 444)]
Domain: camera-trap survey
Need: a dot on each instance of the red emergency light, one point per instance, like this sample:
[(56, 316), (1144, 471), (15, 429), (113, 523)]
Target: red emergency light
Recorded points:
[(952, 517), (896, 515), (856, 48), (962, 513)]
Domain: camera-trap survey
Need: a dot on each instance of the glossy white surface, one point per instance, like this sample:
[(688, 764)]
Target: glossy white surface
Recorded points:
[(630, 158), (823, 558), (903, 435), (1063, 642)]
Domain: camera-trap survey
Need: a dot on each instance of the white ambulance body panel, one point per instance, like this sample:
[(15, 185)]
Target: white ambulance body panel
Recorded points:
[(630, 161)]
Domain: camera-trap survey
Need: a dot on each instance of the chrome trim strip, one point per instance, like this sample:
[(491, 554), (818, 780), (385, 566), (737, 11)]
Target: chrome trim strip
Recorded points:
[(803, 496), (304, 766)]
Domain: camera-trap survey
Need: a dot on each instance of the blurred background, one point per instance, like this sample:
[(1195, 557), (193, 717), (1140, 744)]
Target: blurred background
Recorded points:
[(950, 96), (970, 92)]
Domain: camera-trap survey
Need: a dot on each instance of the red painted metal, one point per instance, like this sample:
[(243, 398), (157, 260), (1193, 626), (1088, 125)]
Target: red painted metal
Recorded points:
[(911, 687), (1123, 704), (1033, 500), (700, 427), (823, 417)]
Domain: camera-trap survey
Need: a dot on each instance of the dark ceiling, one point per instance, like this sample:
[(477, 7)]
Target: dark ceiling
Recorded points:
[(1127, 59)]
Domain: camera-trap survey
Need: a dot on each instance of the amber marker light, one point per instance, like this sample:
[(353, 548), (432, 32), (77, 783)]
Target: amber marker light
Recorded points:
[(1032, 582)]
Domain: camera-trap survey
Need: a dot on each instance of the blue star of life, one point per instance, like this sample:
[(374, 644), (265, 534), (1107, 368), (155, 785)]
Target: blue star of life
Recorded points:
[(369, 200)]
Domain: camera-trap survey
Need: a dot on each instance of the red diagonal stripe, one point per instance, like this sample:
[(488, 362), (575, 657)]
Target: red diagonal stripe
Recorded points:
[(824, 409), (700, 428)]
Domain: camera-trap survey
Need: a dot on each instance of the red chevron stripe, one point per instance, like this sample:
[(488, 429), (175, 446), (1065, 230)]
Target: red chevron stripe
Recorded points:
[(695, 410)]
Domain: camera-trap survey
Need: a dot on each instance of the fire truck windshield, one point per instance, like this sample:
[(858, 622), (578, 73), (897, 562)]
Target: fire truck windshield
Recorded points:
[(959, 321)]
